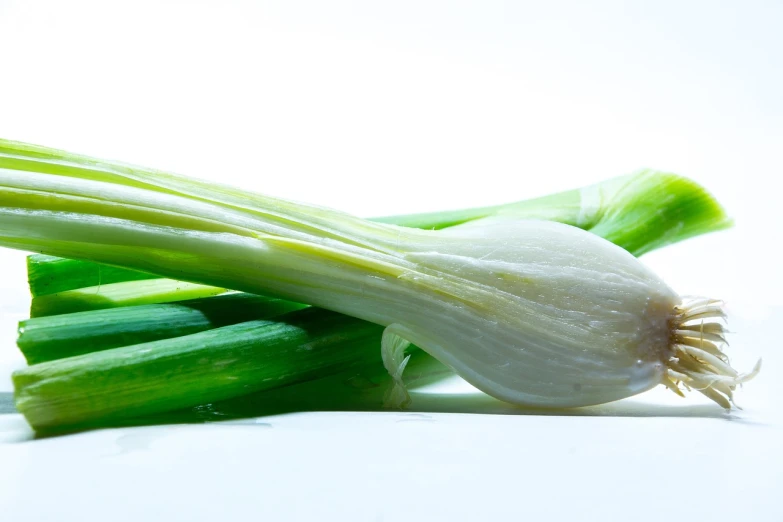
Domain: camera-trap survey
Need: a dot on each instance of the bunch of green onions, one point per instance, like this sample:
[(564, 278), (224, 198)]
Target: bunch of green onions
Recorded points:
[(160, 295)]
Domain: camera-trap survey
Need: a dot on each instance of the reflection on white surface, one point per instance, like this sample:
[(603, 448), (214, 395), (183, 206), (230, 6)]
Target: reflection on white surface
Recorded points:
[(368, 466)]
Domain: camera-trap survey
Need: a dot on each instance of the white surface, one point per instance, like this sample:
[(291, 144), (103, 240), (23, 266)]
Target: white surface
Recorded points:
[(385, 108)]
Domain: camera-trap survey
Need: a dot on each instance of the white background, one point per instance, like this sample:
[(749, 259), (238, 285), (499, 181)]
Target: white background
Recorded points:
[(392, 107)]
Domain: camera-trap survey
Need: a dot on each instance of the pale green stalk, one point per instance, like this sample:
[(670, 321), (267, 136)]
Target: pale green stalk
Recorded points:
[(639, 212)]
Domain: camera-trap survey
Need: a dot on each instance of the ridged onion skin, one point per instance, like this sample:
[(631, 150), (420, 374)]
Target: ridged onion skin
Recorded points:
[(531, 312), (581, 321)]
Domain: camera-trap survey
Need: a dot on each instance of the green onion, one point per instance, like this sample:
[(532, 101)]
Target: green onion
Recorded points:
[(531, 312), (47, 403)]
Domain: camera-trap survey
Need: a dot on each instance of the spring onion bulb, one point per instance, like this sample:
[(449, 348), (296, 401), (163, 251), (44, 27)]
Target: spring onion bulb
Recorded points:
[(531, 312)]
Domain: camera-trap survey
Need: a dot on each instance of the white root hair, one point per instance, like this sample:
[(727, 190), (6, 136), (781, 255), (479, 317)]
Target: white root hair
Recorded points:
[(697, 361)]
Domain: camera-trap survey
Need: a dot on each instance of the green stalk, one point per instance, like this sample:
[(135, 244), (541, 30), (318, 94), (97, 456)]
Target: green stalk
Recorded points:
[(53, 275), (63, 286), (123, 294), (359, 386), (59, 336), (640, 212), (160, 376)]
